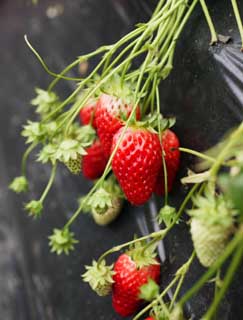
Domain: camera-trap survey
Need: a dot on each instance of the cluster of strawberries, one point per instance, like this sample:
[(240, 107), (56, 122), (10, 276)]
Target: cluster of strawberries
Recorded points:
[(126, 278), (137, 150)]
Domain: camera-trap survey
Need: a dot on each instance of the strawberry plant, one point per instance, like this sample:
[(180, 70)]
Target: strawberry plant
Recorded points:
[(125, 143)]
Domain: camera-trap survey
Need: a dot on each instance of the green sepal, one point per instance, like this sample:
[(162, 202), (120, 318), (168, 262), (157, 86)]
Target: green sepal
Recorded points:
[(111, 185), (151, 121), (212, 209), (149, 291), (167, 214), (48, 153), (34, 208), (69, 149), (62, 241), (100, 201), (19, 184), (37, 132), (45, 101), (120, 89), (100, 277), (33, 132), (86, 135), (141, 256)]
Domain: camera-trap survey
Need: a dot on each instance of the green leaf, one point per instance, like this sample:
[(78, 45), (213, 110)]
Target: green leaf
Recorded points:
[(196, 177), (149, 291), (233, 189)]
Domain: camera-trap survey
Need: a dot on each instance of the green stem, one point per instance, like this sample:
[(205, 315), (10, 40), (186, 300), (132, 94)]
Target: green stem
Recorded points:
[(154, 302), (181, 281), (226, 282), (59, 77), (210, 272), (25, 157), (216, 288), (238, 20), (198, 154), (161, 144), (221, 158), (177, 34), (214, 37), (44, 64), (160, 233), (185, 202), (50, 182)]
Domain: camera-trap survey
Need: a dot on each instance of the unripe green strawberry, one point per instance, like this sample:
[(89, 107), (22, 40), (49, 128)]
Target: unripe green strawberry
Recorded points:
[(211, 225), (70, 152), (111, 213), (99, 277), (209, 240), (74, 165)]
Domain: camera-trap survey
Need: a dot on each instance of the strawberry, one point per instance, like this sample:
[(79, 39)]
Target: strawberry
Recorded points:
[(94, 162), (110, 214), (136, 163), (131, 272), (99, 277), (170, 145), (87, 113), (150, 318), (109, 116), (211, 226)]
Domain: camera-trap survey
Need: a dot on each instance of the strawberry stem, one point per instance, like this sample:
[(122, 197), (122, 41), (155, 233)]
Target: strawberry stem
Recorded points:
[(49, 184), (237, 258), (214, 37), (25, 158), (238, 20), (44, 64)]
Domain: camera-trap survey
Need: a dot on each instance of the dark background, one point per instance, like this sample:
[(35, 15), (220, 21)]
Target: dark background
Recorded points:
[(204, 92)]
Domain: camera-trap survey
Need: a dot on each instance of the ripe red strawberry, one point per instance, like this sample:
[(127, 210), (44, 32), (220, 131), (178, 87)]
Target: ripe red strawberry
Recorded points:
[(94, 162), (170, 145), (136, 163), (149, 318), (87, 113), (128, 279), (109, 116)]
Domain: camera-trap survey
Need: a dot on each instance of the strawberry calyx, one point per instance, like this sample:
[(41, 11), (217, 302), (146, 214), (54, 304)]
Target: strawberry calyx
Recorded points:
[(62, 240), (104, 198), (143, 254), (34, 208), (155, 122), (212, 209), (45, 101), (19, 184), (100, 277), (124, 91)]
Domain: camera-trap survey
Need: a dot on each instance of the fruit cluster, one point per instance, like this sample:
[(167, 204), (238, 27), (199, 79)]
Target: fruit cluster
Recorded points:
[(126, 146), (136, 151), (126, 278)]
